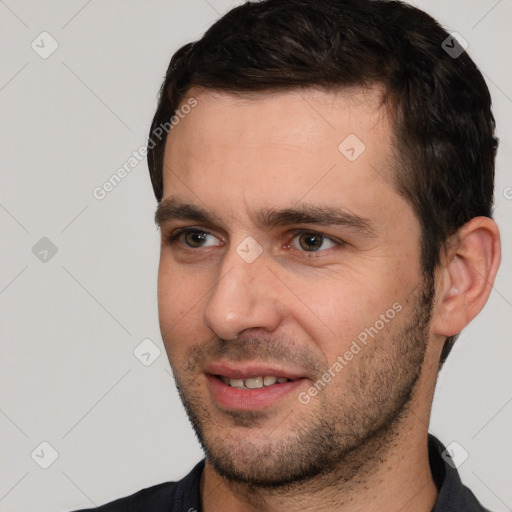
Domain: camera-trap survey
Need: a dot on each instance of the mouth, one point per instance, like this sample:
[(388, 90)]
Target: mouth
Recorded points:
[(250, 387), (253, 382)]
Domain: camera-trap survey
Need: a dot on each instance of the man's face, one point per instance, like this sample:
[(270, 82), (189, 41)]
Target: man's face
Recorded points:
[(285, 248)]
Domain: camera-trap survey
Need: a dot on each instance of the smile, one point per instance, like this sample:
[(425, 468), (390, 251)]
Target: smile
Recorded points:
[(253, 382)]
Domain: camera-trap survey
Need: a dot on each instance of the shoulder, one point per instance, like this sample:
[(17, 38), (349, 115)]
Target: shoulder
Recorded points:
[(453, 495)]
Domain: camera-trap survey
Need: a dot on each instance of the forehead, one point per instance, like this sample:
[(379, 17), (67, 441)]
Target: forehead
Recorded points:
[(281, 148), (301, 117)]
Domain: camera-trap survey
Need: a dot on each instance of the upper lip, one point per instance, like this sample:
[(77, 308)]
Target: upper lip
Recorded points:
[(248, 370)]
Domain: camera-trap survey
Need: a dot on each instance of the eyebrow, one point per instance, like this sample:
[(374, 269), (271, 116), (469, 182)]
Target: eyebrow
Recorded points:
[(321, 215)]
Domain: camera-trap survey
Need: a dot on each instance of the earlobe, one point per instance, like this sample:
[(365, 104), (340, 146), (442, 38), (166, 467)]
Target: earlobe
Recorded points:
[(467, 274)]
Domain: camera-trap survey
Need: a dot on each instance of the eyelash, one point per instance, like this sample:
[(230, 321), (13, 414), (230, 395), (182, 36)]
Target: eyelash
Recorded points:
[(174, 238)]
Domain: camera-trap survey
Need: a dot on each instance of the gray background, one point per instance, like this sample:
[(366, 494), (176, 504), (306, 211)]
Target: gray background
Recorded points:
[(70, 322)]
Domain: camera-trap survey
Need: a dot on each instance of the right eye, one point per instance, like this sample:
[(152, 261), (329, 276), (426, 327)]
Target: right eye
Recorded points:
[(193, 238)]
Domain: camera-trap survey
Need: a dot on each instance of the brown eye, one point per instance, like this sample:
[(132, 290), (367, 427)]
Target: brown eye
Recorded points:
[(195, 238), (312, 242)]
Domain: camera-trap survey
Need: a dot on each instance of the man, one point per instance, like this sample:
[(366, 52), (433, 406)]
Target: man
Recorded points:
[(324, 198)]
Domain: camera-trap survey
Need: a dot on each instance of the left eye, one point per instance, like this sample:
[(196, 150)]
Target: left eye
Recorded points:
[(312, 242)]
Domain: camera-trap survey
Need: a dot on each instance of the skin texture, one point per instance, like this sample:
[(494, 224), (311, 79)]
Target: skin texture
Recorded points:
[(361, 442)]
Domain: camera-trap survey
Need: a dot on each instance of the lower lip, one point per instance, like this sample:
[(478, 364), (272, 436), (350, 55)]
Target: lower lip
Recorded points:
[(250, 399)]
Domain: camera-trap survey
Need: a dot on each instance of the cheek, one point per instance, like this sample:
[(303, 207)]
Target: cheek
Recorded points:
[(181, 301), (175, 300), (169, 287), (340, 308)]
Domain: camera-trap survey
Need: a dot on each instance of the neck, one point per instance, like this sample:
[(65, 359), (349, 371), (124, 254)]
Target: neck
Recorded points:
[(390, 470)]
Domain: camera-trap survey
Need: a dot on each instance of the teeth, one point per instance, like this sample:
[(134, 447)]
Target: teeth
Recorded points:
[(269, 380), (236, 383), (253, 382)]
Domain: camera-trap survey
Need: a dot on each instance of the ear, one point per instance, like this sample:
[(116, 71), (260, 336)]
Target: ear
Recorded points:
[(468, 269)]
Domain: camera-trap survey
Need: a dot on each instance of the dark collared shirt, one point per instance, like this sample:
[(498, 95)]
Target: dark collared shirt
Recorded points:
[(183, 496)]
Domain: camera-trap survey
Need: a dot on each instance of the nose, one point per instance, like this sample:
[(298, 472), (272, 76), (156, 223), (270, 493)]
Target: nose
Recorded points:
[(244, 297)]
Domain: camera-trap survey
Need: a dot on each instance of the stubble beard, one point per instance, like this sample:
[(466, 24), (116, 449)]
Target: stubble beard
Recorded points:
[(340, 435)]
